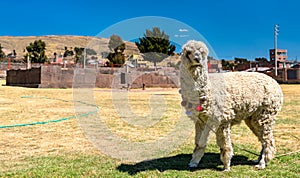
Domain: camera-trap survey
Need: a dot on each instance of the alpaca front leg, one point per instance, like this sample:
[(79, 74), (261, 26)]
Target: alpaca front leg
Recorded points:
[(224, 142), (200, 141), (197, 155)]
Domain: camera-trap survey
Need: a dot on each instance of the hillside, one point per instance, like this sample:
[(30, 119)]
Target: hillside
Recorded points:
[(58, 43)]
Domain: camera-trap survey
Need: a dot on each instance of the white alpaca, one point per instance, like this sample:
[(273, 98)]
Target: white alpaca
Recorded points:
[(216, 102)]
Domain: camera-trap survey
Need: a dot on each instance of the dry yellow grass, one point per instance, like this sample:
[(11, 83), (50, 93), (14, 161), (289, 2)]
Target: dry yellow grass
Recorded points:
[(67, 137), (287, 129), (53, 138), (139, 103)]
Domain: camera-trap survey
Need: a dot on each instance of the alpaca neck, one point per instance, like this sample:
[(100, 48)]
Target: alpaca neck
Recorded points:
[(202, 80)]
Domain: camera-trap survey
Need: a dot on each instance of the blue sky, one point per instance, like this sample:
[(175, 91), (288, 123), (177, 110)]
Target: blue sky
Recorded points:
[(233, 28)]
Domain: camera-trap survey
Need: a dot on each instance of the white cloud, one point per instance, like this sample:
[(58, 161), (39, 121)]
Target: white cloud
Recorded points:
[(180, 36), (183, 30)]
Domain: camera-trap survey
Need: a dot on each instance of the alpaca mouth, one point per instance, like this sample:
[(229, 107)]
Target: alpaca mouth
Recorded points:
[(193, 62), (193, 65)]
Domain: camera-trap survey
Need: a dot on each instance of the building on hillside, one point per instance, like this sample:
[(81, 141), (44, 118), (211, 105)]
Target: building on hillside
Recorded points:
[(137, 60), (6, 51), (214, 66), (281, 57), (251, 66)]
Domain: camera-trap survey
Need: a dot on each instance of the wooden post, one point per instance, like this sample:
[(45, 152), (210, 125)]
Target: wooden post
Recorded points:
[(28, 63), (8, 64)]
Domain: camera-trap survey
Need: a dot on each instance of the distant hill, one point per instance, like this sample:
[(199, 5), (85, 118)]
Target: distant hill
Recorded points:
[(58, 43)]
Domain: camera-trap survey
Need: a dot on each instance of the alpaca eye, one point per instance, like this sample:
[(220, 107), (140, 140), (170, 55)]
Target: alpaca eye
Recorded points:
[(187, 54)]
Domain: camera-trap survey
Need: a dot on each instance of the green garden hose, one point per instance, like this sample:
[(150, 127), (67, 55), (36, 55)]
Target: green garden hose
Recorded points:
[(55, 120)]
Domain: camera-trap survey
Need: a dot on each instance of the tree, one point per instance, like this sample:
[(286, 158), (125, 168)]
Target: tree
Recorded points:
[(116, 58), (262, 59), (14, 53), (117, 46), (115, 41), (68, 52), (36, 51), (2, 54), (78, 54), (55, 56), (155, 45), (226, 65), (90, 51), (240, 60)]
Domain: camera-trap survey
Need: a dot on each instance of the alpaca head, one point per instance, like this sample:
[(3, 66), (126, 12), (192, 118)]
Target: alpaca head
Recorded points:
[(194, 77), (194, 54)]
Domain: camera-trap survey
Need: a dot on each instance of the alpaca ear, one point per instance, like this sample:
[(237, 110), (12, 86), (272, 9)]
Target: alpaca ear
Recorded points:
[(186, 53), (203, 52)]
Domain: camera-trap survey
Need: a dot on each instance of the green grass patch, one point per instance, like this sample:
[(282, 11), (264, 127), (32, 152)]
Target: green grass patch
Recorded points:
[(175, 165)]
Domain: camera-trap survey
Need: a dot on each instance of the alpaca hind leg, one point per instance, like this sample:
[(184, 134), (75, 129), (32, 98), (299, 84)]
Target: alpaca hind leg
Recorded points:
[(224, 142), (202, 133), (268, 146), (252, 123), (264, 132)]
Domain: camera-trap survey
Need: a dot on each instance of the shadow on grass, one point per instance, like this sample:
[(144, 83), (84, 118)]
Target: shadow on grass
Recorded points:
[(180, 162)]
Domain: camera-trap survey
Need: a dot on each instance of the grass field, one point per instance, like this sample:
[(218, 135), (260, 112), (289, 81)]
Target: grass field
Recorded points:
[(60, 149)]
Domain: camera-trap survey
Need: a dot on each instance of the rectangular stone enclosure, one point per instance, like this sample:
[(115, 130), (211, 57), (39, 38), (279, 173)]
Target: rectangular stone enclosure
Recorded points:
[(57, 77)]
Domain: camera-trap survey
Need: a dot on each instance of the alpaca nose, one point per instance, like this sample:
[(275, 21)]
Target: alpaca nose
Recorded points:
[(197, 56)]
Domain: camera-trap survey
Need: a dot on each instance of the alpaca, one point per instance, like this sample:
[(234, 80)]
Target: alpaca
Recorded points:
[(216, 102)]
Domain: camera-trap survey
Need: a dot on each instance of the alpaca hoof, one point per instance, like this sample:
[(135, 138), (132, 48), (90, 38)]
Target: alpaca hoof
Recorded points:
[(226, 170), (260, 167), (193, 165)]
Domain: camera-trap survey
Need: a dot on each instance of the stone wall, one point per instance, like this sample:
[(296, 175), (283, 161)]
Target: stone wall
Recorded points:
[(293, 74), (57, 77), (104, 80), (26, 78), (154, 80)]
